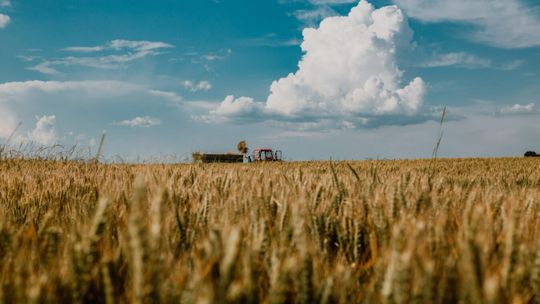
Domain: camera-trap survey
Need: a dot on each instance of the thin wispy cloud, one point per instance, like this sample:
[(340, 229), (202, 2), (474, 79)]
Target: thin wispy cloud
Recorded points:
[(316, 10), (139, 122), (113, 55), (460, 59), (84, 49), (272, 40), (208, 60), (119, 44), (467, 61), (44, 68), (216, 56), (311, 17), (10, 90), (332, 1), (500, 23), (171, 96)]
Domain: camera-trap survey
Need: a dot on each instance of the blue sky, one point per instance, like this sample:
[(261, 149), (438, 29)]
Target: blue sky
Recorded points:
[(173, 77)]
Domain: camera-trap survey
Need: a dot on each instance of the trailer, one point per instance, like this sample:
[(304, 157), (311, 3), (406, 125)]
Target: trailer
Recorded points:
[(204, 158)]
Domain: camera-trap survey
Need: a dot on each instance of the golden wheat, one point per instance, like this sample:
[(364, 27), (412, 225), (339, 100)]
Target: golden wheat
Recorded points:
[(445, 231)]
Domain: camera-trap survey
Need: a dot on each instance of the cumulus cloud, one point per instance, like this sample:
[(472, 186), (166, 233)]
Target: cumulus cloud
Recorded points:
[(197, 86), (499, 23), (4, 20), (112, 55), (518, 109), (8, 122), (348, 73), (139, 122), (242, 106), (44, 132)]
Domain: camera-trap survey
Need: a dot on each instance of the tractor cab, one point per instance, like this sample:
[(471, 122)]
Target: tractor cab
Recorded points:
[(263, 155)]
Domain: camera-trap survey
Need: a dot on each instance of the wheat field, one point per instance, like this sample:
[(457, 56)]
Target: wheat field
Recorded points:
[(445, 231)]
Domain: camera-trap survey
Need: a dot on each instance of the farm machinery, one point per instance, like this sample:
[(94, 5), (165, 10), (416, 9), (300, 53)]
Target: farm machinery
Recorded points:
[(258, 155), (531, 154)]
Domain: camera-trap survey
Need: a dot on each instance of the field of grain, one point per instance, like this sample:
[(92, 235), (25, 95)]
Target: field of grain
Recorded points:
[(316, 232)]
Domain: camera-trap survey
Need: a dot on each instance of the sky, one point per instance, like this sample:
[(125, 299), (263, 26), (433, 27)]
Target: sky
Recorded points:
[(318, 79)]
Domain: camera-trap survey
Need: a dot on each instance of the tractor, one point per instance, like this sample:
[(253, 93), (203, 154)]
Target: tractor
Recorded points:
[(259, 155)]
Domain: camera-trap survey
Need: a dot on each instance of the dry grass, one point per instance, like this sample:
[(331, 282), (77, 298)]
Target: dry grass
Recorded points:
[(374, 232)]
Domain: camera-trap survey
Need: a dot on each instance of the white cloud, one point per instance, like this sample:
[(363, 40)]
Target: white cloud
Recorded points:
[(311, 17), (85, 107), (332, 1), (499, 23), (138, 45), (119, 44), (85, 49), (28, 97), (172, 96), (139, 122), (44, 133), (30, 94), (320, 2), (8, 122), (4, 20), (512, 65), (518, 109), (44, 68), (348, 73), (5, 3), (242, 106), (98, 87), (272, 40), (197, 86), (467, 61), (13, 92), (457, 59), (220, 55), (113, 55)]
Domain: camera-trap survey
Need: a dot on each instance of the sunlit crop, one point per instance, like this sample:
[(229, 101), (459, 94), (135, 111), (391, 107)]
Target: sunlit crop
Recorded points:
[(423, 231)]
